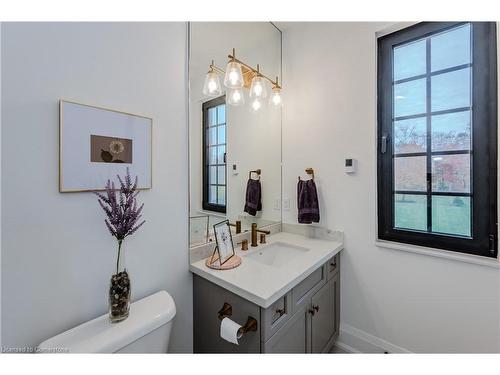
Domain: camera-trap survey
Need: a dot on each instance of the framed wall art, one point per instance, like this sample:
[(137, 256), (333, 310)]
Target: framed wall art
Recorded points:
[(96, 144)]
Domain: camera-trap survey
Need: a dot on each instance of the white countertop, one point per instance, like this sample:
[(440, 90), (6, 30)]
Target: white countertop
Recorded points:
[(263, 284)]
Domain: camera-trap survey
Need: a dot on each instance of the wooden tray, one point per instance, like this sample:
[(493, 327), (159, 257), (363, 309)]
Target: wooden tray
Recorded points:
[(233, 262)]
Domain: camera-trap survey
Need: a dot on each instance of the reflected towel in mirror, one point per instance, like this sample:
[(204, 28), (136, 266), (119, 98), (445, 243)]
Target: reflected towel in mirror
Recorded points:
[(253, 199)]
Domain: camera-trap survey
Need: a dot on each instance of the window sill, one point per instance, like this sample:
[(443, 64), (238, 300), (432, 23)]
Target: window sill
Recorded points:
[(212, 213), (460, 257)]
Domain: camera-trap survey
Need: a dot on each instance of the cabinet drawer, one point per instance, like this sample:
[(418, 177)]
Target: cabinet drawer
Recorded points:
[(307, 287), (275, 316), (333, 266)]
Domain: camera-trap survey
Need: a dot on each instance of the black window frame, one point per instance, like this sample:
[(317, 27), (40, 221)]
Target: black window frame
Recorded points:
[(205, 151), (483, 240)]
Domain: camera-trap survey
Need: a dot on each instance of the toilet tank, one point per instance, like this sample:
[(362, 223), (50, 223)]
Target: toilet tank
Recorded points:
[(146, 330)]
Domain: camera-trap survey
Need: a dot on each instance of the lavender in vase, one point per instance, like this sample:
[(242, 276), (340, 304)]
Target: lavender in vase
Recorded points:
[(122, 220)]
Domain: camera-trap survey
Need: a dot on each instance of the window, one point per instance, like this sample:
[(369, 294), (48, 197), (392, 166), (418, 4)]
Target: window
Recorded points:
[(214, 155), (437, 129)]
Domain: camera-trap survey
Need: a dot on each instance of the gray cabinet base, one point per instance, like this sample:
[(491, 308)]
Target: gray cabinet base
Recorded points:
[(290, 325)]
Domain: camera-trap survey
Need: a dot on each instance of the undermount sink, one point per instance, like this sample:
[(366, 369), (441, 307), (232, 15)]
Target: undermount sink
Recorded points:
[(276, 254)]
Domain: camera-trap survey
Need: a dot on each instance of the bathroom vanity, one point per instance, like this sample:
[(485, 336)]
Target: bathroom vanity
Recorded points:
[(290, 286)]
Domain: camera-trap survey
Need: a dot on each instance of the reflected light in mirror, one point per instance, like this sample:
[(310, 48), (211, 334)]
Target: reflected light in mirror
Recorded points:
[(234, 77), (276, 97), (212, 86), (256, 105), (258, 88), (235, 97)]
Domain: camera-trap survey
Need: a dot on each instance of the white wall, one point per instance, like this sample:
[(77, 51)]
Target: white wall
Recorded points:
[(57, 255), (419, 303)]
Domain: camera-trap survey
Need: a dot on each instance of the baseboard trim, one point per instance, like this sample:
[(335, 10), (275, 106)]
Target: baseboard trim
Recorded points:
[(358, 341), (345, 347)]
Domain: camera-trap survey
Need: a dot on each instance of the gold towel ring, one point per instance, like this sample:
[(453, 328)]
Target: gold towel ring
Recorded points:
[(310, 172), (257, 172)]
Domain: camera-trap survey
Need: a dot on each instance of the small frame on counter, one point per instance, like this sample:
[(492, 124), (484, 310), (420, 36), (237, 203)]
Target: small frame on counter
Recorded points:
[(224, 250), (198, 230)]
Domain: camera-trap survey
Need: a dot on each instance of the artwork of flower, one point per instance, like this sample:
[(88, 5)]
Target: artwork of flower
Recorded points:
[(116, 147), (110, 149)]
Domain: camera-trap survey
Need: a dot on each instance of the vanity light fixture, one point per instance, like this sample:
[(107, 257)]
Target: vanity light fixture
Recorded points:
[(237, 76), (212, 86)]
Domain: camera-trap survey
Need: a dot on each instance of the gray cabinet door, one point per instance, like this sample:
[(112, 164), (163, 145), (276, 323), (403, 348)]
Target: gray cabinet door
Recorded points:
[(323, 320), (291, 338)]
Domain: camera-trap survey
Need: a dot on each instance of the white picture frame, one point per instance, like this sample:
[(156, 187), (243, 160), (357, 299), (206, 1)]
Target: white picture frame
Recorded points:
[(85, 164)]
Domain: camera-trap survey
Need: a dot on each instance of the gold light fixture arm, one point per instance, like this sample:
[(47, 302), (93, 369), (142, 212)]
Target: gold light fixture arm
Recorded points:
[(254, 71), (217, 69)]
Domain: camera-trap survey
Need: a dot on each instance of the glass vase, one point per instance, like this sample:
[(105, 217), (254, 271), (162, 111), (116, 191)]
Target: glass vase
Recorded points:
[(119, 291)]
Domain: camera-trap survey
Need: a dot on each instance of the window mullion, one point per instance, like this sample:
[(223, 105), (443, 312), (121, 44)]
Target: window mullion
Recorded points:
[(429, 135)]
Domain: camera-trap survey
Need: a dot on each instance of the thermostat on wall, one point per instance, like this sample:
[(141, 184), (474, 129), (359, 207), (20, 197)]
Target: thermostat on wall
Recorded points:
[(350, 165), (235, 169)]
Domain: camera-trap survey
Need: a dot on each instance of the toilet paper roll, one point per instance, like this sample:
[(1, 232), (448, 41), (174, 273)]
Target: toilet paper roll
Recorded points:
[(229, 331)]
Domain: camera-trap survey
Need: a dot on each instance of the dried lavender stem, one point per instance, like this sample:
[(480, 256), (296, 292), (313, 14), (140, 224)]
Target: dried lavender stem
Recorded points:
[(118, 258)]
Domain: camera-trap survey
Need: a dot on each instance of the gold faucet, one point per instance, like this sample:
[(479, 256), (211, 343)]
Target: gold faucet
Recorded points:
[(237, 224), (254, 233)]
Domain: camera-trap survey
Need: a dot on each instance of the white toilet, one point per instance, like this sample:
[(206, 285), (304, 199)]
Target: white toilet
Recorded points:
[(146, 330)]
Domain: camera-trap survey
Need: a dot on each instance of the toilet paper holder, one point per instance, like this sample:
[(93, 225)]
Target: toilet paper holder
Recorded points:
[(227, 310)]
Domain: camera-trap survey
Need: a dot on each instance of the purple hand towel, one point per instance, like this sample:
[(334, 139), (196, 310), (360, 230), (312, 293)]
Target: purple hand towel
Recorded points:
[(307, 202), (253, 200)]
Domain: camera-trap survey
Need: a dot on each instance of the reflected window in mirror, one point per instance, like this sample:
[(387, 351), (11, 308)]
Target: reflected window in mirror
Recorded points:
[(214, 155)]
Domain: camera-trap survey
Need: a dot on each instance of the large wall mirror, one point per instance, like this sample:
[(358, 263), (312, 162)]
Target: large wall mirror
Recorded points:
[(234, 136)]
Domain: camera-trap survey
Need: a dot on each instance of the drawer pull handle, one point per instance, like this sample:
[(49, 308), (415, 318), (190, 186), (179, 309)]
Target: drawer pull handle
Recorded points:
[(333, 265), (316, 308), (312, 312), (281, 312)]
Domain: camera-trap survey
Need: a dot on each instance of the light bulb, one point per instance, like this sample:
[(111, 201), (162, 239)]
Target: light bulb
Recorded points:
[(258, 88), (256, 105), (276, 97), (235, 97), (212, 86), (234, 76)]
